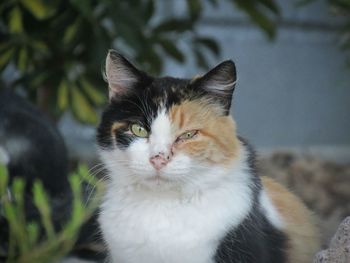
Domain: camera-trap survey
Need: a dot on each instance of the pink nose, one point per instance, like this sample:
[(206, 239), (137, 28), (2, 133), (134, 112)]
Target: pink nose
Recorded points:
[(159, 161)]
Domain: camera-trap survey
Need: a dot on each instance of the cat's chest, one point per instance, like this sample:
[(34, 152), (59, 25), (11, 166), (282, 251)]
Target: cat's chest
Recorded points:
[(164, 232)]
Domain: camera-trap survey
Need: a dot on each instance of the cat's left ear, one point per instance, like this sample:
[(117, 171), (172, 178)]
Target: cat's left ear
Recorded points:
[(121, 75), (220, 83)]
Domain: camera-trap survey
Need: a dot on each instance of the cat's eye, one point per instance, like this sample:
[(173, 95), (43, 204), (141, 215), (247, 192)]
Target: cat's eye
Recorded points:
[(138, 130), (187, 135)]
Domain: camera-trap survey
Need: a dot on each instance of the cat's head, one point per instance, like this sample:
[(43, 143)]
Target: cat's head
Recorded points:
[(167, 131)]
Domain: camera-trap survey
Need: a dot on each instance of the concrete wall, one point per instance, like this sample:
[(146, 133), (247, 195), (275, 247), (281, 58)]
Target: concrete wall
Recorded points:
[(292, 92)]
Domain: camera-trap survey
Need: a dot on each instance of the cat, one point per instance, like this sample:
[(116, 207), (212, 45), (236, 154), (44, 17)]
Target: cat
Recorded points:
[(182, 186)]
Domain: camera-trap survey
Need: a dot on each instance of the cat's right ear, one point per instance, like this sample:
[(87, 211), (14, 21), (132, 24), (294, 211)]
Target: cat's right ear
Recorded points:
[(120, 74)]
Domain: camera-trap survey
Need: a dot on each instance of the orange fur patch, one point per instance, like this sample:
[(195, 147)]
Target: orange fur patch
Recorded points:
[(304, 239), (216, 140), (116, 126)]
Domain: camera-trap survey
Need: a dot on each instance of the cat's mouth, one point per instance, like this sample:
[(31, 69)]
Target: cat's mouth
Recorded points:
[(158, 179)]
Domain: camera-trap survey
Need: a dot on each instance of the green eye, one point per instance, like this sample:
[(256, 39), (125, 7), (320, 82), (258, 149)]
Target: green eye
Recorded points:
[(138, 130), (187, 135)]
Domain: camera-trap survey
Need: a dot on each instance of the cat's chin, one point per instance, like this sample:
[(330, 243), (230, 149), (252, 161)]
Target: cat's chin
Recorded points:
[(159, 182), (157, 179)]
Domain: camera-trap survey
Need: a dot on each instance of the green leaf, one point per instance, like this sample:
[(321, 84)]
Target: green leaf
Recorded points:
[(81, 107), (33, 233), (37, 8), (271, 5), (83, 172), (200, 59), (22, 59), (41, 201), (173, 25), (213, 2), (4, 46), (40, 197), (83, 7), (5, 57), (16, 23), (343, 5), (301, 3), (170, 48), (18, 190), (71, 32), (40, 46), (148, 10), (94, 94), (3, 180), (258, 17), (195, 8), (151, 61), (62, 100), (18, 194), (209, 43)]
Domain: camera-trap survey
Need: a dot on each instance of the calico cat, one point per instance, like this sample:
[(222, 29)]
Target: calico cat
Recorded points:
[(182, 185)]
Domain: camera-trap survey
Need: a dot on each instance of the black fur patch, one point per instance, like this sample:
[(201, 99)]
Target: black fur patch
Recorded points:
[(141, 100), (141, 105), (255, 240)]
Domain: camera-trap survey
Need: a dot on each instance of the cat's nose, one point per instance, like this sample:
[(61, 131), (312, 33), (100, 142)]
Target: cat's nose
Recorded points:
[(159, 160)]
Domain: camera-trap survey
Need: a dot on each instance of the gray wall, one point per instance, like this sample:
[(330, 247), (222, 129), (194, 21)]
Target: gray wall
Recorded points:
[(292, 92)]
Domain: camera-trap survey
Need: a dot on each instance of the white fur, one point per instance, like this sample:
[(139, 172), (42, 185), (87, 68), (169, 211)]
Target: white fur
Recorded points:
[(161, 138), (221, 87), (178, 216), (270, 211)]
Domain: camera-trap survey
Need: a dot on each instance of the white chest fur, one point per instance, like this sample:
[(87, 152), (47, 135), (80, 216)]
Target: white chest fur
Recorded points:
[(161, 230)]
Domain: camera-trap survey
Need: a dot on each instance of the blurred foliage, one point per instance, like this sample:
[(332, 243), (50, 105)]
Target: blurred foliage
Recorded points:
[(339, 8), (342, 8), (58, 47), (26, 242)]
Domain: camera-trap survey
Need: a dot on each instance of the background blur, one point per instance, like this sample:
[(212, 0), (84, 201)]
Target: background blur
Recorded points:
[(293, 86), (293, 91), (292, 99)]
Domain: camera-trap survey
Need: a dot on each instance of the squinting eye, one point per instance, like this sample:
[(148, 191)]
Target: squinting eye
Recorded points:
[(187, 135), (138, 130)]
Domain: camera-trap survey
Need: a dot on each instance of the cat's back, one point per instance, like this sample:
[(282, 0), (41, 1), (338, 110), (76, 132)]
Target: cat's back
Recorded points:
[(299, 224)]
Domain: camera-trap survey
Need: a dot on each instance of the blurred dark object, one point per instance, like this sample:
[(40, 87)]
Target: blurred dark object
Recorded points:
[(322, 185), (58, 47), (90, 245), (32, 148)]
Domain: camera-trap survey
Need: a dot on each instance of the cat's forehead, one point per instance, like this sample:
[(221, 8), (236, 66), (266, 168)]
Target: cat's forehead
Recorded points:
[(167, 91), (170, 85)]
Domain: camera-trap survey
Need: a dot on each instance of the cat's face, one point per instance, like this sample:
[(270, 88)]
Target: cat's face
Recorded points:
[(167, 131)]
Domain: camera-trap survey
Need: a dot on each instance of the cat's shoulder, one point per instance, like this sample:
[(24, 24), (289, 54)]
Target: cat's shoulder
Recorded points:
[(299, 223)]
